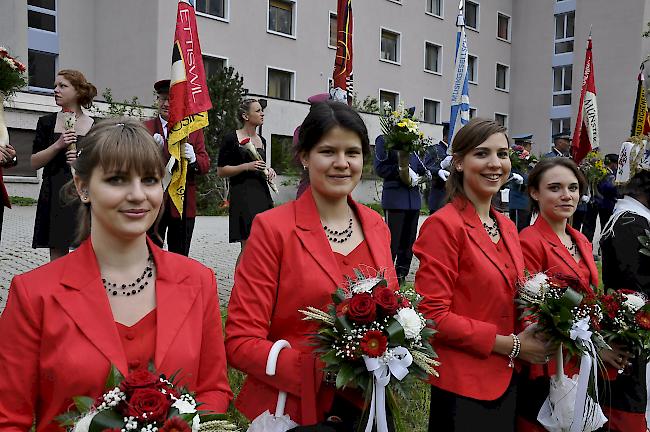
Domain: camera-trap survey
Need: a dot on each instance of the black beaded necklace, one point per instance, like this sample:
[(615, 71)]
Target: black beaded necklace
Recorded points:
[(339, 236), (130, 289), (492, 230), (572, 248)]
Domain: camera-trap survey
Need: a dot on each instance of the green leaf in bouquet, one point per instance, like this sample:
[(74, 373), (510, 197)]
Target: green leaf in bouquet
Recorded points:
[(395, 332), (338, 296), (330, 357), (83, 403), (114, 378), (571, 298), (212, 417), (359, 274), (107, 419), (342, 324), (345, 375), (67, 419)]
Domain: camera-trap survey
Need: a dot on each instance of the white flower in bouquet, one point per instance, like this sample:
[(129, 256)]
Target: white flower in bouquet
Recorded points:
[(365, 285), (411, 322), (634, 302), (84, 423), (534, 288)]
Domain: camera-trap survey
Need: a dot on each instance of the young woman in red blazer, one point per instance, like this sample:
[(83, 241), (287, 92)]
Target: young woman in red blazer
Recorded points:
[(470, 261), (552, 246), (71, 319), (294, 259)]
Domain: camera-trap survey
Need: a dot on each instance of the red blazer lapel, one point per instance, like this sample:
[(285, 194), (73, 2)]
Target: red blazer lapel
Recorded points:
[(86, 303), (511, 238), (374, 233), (312, 236), (586, 252), (555, 244), (477, 232)]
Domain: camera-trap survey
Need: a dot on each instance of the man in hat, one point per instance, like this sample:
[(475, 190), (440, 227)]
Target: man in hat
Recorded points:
[(561, 144), (519, 203), (177, 229), (433, 157)]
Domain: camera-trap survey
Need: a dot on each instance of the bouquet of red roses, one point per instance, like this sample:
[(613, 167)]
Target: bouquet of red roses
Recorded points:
[(521, 159), (372, 337), (144, 402), (627, 319)]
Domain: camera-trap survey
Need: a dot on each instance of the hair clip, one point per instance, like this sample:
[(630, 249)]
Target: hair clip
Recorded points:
[(119, 124)]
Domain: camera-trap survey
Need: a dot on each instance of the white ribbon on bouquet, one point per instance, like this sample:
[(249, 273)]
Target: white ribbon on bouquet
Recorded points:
[(595, 418), (395, 362)]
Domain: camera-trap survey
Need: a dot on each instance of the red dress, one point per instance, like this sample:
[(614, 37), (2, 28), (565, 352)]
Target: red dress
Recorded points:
[(139, 341)]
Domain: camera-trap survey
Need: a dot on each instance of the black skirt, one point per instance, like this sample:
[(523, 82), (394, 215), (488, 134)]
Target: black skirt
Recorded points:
[(450, 412)]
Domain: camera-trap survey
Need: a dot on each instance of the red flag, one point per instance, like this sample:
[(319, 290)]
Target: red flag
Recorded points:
[(189, 99), (585, 135), (343, 62)]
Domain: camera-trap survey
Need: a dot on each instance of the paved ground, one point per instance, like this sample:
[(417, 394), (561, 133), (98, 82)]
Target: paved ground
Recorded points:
[(209, 246)]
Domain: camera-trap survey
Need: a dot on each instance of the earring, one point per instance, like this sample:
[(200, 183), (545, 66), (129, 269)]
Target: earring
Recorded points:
[(305, 167)]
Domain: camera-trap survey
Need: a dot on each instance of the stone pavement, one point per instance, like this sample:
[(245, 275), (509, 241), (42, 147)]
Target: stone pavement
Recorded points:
[(209, 246)]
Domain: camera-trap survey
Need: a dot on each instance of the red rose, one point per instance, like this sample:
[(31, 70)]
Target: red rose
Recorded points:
[(362, 308), (112, 430), (149, 404), (244, 141), (403, 302), (343, 307), (374, 343), (611, 305), (643, 319), (139, 378), (175, 424), (386, 300)]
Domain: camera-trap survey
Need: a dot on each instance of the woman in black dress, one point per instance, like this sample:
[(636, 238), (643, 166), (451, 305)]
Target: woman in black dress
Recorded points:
[(54, 151), (249, 190), (625, 267)]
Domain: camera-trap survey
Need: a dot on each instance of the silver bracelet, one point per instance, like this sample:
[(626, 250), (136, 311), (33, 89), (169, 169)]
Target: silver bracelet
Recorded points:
[(516, 349)]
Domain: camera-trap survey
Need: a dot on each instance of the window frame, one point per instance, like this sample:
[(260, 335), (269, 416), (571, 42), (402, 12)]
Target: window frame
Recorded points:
[(507, 77), (329, 29), (294, 19), (225, 18), (388, 91), (505, 123), (476, 65), (44, 11), (561, 121), (438, 111), (398, 62), (214, 56), (439, 60), (509, 39), (292, 89), (473, 110), (442, 9), (565, 26), (563, 91), (478, 15)]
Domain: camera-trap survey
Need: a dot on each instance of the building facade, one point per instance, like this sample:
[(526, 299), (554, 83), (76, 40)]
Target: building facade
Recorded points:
[(525, 66)]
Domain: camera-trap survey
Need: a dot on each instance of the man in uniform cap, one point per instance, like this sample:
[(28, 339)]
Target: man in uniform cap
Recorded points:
[(177, 229), (519, 202), (561, 144)]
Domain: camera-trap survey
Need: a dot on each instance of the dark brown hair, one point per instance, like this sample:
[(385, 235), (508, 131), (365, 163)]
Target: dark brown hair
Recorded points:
[(114, 144), (536, 174), (470, 136), (85, 89)]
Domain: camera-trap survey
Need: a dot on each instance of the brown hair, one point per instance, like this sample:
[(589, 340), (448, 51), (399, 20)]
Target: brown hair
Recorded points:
[(470, 136), (536, 174), (114, 144), (85, 89), (244, 108)]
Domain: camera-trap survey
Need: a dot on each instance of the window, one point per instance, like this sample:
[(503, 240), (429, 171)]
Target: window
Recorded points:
[(503, 27), (431, 111), (282, 154), (472, 69), (41, 67), (560, 124), (213, 65), (390, 46), (501, 119), (212, 7), (471, 14), (432, 57), (473, 112), (564, 35), (388, 96), (332, 40), (41, 15), (43, 4), (280, 84), (434, 7), (562, 76), (502, 77), (281, 13)]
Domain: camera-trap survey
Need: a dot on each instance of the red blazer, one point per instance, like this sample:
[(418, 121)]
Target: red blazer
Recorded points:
[(288, 265), (3, 192), (469, 295), (201, 166), (64, 338), (544, 252)]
